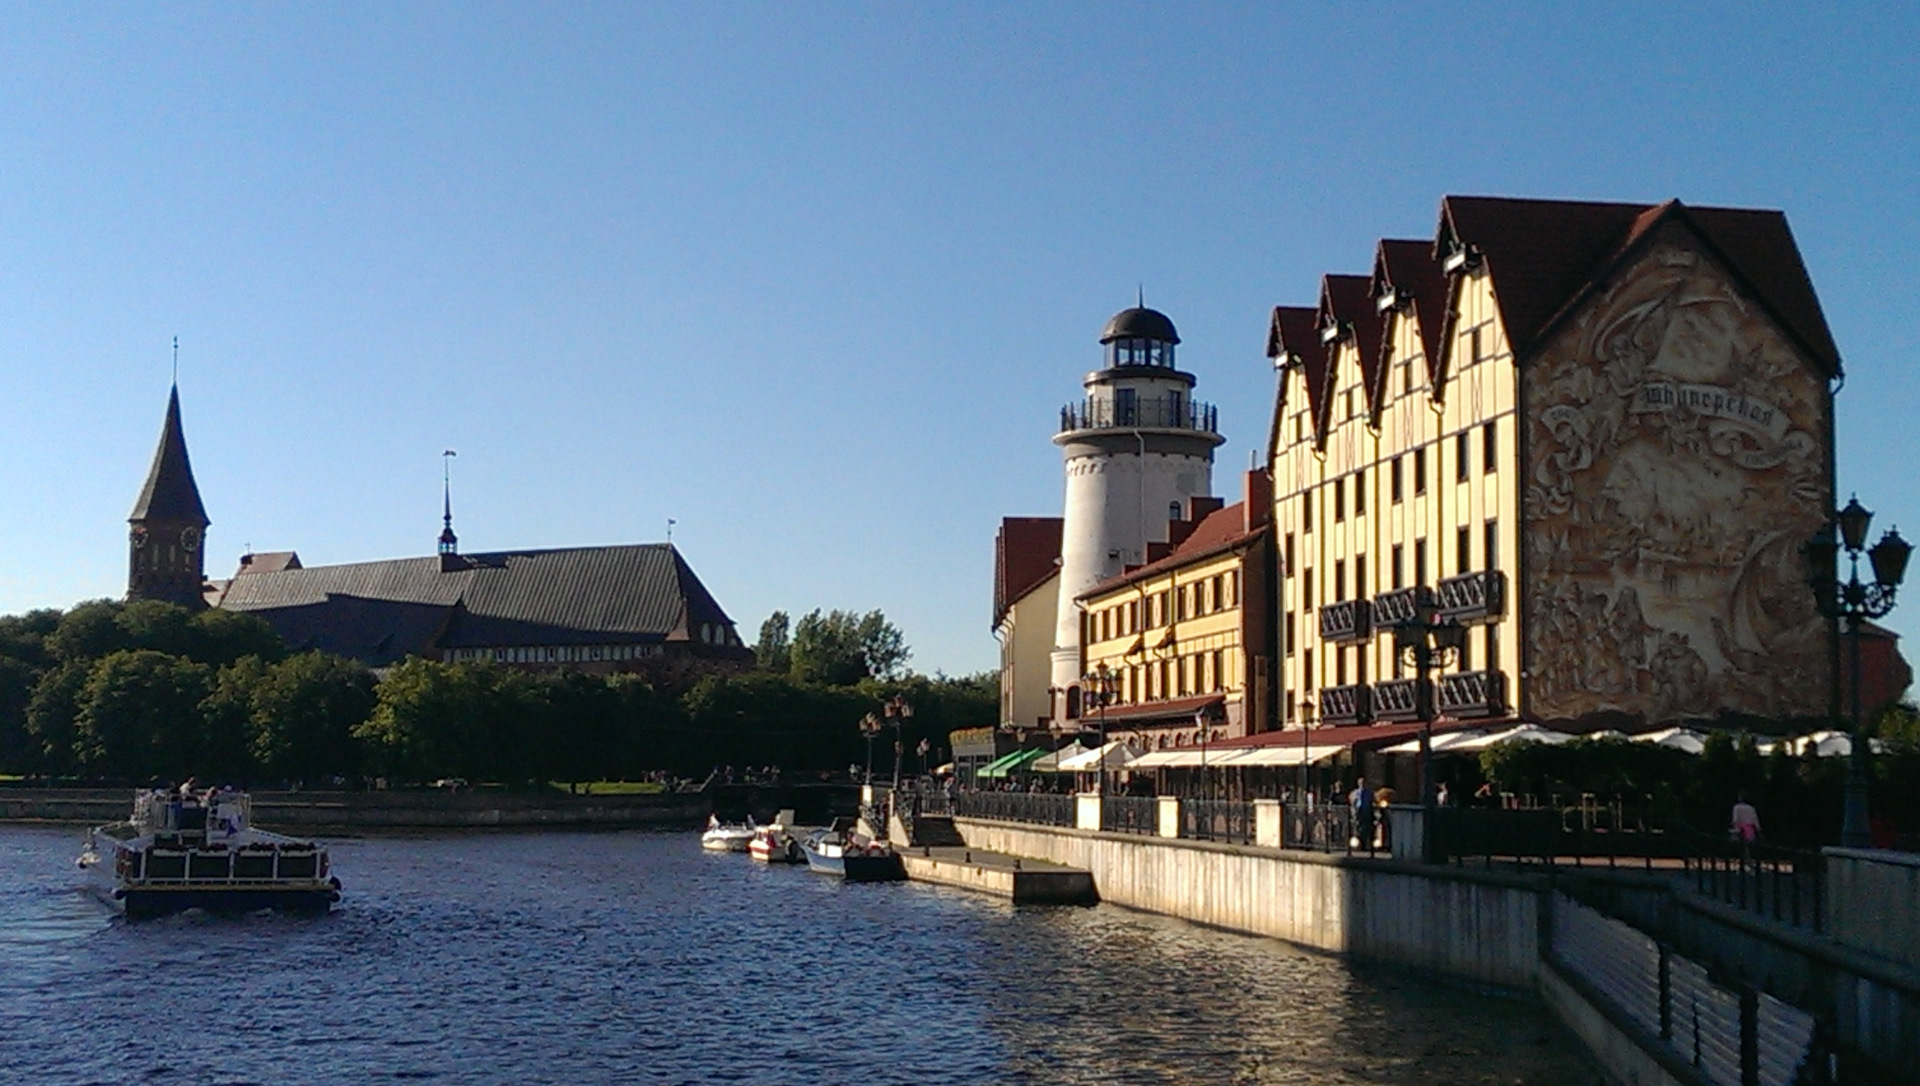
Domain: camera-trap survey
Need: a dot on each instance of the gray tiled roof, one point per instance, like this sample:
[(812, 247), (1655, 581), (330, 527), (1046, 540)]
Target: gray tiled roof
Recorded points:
[(620, 594)]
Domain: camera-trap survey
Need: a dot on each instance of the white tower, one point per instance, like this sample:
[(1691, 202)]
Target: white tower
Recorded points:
[(1137, 449)]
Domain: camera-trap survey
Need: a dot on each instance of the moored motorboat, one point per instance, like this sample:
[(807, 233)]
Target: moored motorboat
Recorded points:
[(853, 857), (189, 851), (775, 844), (727, 837)]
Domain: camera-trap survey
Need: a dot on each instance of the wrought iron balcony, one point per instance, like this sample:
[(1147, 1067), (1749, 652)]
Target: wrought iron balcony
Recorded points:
[(1345, 705), (1145, 413), (1473, 694), (1399, 699), (1400, 605), (1345, 621), (1473, 597)]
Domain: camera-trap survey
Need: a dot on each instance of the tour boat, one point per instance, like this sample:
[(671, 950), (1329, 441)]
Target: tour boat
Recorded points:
[(725, 837), (184, 851), (852, 857)]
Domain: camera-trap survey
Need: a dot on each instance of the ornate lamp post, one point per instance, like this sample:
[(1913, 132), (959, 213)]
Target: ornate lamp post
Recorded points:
[(1426, 643), (1098, 686), (898, 713), (1855, 602), (870, 726)]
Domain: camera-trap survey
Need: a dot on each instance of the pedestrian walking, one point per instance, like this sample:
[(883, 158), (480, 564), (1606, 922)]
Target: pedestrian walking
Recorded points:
[(1360, 800), (1746, 824)]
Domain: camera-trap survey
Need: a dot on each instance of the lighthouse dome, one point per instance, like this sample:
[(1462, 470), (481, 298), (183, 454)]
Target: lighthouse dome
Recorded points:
[(1139, 323)]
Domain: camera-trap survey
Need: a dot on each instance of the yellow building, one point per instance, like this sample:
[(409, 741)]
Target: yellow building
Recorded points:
[(1188, 637), (1595, 434)]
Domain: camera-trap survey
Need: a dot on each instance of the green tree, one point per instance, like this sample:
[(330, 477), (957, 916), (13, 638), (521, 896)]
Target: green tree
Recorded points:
[(774, 651), (102, 627), (140, 716), (478, 721), (840, 648), (24, 637), (18, 752), (302, 712), (53, 714)]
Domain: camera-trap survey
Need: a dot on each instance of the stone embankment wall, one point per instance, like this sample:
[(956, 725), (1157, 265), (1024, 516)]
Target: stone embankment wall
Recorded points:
[(1873, 902), (1480, 926), (393, 810)]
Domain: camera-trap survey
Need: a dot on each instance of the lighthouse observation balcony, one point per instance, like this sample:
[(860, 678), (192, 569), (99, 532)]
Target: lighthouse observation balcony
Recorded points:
[(1144, 413)]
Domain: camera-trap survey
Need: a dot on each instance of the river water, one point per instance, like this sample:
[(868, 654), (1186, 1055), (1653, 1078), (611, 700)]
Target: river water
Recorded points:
[(635, 957)]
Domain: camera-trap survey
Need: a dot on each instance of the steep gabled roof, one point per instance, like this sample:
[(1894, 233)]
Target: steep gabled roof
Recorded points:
[(1294, 343), (1025, 554), (1346, 303), (170, 493), (1407, 269), (1546, 256)]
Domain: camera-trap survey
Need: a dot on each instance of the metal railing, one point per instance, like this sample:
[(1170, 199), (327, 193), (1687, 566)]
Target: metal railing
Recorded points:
[(1041, 808), (1225, 820), (1608, 834), (1130, 814), (1781, 884), (1731, 1036), (1147, 413), (1330, 827)]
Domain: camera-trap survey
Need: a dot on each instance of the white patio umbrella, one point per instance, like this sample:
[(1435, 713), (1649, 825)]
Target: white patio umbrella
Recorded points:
[(1523, 733), (1115, 755), (1447, 741), (1826, 744), (1050, 763), (1676, 738)]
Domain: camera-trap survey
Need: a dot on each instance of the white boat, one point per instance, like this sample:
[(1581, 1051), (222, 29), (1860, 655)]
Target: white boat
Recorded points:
[(852, 856), (727, 837), (775, 844), (180, 852)]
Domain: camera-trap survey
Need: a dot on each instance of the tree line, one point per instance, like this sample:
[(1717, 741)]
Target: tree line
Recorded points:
[(149, 691)]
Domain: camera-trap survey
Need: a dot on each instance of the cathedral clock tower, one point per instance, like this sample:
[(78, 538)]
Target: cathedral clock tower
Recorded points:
[(166, 554)]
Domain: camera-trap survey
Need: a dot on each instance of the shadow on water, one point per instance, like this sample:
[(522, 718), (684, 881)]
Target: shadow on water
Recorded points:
[(548, 957)]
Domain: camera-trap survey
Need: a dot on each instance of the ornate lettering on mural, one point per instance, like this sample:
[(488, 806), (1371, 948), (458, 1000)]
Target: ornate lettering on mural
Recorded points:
[(1714, 402)]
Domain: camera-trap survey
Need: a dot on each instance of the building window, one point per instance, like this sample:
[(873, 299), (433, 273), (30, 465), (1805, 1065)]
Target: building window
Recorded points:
[(1419, 472), (1289, 562), (1300, 426), (1306, 670), (1406, 378), (1463, 540), (1473, 346), (1490, 447), (1233, 588), (1359, 576), (1399, 552), (1306, 511), (1161, 690), (1340, 581), (1419, 561), (1359, 494), (1490, 547), (1133, 616), (1393, 479), (1339, 667), (1493, 646), (1289, 634), (1339, 500), (1219, 670), (1460, 456), (1306, 591), (1346, 404), (1219, 592), (1466, 653)]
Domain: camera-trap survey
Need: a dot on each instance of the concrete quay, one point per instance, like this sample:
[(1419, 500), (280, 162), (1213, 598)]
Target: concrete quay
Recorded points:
[(1024, 881)]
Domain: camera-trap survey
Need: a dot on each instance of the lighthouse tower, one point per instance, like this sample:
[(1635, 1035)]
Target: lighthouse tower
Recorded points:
[(1138, 448)]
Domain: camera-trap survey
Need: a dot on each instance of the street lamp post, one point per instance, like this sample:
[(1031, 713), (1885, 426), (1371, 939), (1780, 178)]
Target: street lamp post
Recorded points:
[(898, 711), (1098, 685), (1426, 642), (1855, 602), (870, 726)]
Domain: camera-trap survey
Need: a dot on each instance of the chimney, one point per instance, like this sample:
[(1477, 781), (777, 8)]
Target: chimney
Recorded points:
[(1257, 507), (1199, 508)]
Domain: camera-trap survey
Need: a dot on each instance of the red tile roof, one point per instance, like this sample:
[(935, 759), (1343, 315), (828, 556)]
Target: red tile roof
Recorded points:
[(1546, 256), (1220, 530), (1025, 554)]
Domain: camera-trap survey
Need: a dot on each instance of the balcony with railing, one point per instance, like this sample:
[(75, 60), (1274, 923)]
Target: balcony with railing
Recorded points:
[(1345, 621), (1399, 699), (1472, 597), (1473, 694), (1345, 705), (1400, 605), (1144, 413)]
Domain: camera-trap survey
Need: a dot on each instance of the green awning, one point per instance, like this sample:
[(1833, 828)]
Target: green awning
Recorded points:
[(1010, 764)]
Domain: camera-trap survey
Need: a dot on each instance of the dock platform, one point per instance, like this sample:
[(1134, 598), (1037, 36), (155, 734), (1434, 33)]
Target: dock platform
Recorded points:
[(1025, 881)]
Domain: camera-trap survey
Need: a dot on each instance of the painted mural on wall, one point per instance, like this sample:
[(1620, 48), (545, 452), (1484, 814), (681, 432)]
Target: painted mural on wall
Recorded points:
[(1676, 462)]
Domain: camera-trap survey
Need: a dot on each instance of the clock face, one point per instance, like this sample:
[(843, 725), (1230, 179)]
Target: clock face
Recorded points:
[(138, 536), (190, 538)]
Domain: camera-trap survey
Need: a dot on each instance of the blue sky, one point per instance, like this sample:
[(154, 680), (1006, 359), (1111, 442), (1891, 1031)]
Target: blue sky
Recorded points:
[(812, 279)]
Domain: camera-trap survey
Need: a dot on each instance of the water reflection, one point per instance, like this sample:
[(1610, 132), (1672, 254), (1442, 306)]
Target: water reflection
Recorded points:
[(638, 958)]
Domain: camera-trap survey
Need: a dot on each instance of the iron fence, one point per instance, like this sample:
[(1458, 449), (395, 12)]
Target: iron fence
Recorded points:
[(1225, 820), (1609, 834), (1130, 814), (1782, 884), (1042, 808), (1331, 827)]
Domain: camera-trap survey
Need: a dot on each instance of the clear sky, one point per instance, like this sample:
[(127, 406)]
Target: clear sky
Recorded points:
[(813, 280)]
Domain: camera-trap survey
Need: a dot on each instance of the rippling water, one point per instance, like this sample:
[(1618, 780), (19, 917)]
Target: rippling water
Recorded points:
[(589, 958)]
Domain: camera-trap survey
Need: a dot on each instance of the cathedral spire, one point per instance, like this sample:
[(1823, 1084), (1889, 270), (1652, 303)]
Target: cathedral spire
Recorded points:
[(165, 560), (449, 543)]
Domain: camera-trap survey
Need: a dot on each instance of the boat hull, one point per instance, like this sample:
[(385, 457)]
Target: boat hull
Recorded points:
[(150, 902), (882, 868)]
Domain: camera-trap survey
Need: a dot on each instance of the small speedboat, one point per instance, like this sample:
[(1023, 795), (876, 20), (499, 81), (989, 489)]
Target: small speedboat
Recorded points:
[(852, 856), (727, 837), (775, 844), (188, 851)]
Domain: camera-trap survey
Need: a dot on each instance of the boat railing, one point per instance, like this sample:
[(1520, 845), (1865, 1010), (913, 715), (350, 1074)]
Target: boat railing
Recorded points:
[(252, 863), (221, 814)]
